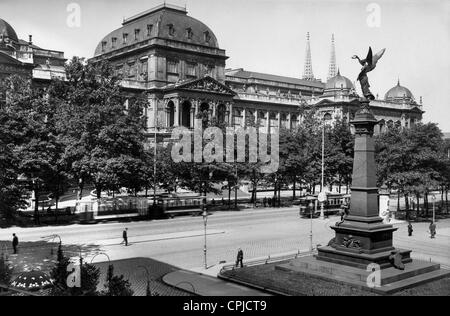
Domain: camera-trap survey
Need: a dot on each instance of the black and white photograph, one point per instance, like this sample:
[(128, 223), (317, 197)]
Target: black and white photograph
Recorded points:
[(224, 152)]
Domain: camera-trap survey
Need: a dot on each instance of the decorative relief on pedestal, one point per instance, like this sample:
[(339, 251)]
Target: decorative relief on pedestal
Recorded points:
[(351, 242)]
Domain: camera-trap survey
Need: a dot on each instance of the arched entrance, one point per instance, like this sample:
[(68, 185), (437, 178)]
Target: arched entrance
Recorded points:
[(186, 114), (170, 114), (203, 114), (221, 113)]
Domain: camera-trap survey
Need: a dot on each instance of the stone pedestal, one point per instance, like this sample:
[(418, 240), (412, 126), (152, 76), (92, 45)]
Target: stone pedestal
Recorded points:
[(362, 238)]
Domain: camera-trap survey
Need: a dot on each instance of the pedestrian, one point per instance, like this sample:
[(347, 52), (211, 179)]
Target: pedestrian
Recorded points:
[(125, 236), (15, 243), (265, 201), (432, 230), (410, 229), (240, 258)]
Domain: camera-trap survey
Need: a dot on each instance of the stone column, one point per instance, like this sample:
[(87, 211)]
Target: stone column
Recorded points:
[(244, 117), (230, 117), (289, 121), (177, 112), (192, 116), (371, 238), (268, 122), (279, 120)]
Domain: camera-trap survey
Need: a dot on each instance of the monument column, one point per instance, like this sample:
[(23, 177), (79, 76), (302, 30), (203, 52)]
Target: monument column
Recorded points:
[(362, 237)]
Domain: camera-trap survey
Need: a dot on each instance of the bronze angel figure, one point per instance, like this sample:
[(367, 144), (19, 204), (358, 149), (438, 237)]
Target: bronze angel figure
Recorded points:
[(369, 64)]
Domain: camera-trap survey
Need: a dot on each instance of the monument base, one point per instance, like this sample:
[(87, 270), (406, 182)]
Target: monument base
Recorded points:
[(390, 280)]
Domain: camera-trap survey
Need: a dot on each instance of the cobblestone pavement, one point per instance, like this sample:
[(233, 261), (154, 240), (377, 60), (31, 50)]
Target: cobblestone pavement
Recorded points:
[(135, 270)]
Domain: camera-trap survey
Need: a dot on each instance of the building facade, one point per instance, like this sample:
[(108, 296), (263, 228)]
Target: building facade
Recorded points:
[(20, 57), (177, 63)]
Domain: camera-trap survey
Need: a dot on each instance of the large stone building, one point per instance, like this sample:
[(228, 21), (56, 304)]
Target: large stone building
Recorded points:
[(177, 61), (20, 57)]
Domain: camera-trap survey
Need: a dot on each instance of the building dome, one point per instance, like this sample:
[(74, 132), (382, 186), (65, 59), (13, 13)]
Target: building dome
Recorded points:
[(7, 31), (398, 93), (339, 82), (166, 22)]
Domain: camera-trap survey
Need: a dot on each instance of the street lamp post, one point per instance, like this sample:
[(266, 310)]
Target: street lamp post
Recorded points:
[(311, 208), (205, 222), (322, 213), (154, 159), (433, 197)]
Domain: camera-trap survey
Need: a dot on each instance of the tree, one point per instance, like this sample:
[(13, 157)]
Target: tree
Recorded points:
[(103, 132), (5, 271), (116, 285), (29, 115), (411, 160)]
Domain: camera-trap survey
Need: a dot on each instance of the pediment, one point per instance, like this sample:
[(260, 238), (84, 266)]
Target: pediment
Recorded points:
[(205, 84)]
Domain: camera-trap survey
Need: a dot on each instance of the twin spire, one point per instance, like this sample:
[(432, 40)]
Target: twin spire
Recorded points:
[(308, 72)]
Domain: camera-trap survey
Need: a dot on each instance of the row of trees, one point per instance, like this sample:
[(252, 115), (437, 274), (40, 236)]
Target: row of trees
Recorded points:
[(83, 131), (414, 162)]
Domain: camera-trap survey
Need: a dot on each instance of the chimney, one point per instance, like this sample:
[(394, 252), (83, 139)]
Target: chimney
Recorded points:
[(30, 39)]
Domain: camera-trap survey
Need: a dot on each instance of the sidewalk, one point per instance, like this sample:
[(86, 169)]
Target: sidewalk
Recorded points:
[(205, 285)]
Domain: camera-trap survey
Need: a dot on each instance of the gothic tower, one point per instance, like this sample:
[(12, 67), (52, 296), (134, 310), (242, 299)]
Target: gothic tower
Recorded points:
[(308, 72), (332, 67)]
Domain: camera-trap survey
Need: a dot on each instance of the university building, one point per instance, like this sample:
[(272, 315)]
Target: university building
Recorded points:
[(177, 62)]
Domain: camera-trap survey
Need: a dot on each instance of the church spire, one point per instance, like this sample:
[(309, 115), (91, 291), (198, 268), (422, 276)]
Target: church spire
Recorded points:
[(332, 67), (308, 72)]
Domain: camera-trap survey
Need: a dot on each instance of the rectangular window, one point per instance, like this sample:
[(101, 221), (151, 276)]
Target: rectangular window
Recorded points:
[(172, 67), (114, 41), (149, 29), (125, 38), (190, 69), (136, 34)]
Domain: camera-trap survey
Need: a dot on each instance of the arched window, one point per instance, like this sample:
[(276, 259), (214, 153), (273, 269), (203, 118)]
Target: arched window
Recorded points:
[(221, 113), (170, 114), (186, 114), (327, 117)]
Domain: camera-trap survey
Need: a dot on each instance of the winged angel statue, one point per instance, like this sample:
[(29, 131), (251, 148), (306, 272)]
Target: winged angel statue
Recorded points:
[(369, 64)]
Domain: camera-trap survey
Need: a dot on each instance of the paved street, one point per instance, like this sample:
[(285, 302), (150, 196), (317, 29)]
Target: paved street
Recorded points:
[(259, 233)]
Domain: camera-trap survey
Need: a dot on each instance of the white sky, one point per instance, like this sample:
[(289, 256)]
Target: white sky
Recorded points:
[(269, 36)]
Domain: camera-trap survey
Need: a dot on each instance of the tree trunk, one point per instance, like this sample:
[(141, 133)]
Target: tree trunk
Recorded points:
[(418, 203), (279, 196), (56, 205), (446, 198), (36, 207), (398, 200), (229, 197), (425, 203), (98, 191), (235, 196), (442, 197), (407, 201), (293, 192)]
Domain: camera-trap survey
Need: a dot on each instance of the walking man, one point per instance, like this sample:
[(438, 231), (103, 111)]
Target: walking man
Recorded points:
[(15, 243), (125, 236), (410, 229), (432, 230), (265, 201), (240, 258)]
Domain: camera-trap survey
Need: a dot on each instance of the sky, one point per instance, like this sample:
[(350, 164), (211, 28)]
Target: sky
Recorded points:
[(270, 36)]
